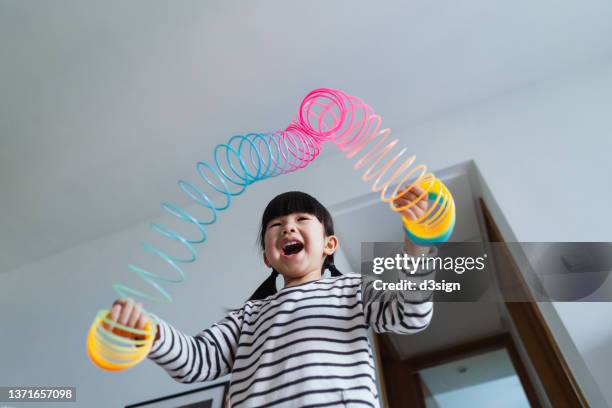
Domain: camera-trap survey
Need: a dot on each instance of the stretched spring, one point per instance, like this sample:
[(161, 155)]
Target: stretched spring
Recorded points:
[(324, 115)]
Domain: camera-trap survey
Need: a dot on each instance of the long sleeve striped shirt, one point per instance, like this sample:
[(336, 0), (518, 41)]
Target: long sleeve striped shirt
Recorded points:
[(305, 346)]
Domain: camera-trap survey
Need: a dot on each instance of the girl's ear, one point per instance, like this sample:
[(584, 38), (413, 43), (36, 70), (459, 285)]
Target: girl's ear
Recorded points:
[(331, 243)]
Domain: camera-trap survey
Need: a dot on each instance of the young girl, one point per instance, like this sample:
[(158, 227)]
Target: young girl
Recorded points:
[(305, 345)]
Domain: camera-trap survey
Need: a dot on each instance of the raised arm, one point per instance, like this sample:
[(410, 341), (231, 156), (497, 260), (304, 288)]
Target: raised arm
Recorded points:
[(404, 311), (400, 311)]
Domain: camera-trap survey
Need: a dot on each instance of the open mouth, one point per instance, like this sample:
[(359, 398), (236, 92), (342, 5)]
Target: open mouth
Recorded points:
[(292, 247)]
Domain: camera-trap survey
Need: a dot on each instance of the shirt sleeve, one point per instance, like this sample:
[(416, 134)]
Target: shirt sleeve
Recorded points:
[(400, 311), (206, 356)]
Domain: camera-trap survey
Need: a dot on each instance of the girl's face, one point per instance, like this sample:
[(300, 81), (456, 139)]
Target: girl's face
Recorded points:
[(296, 245)]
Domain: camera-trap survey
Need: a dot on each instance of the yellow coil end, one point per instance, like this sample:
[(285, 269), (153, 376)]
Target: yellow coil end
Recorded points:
[(112, 346)]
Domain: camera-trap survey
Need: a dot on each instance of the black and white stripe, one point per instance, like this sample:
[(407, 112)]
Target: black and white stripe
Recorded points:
[(306, 345)]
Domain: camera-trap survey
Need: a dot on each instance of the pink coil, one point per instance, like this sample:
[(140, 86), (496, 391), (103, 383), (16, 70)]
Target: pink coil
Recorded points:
[(352, 125)]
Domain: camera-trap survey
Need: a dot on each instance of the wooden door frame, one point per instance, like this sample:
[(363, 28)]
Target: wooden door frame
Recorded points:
[(552, 369)]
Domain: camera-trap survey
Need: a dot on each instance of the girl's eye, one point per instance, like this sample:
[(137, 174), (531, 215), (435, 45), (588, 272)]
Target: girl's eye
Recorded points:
[(303, 218)]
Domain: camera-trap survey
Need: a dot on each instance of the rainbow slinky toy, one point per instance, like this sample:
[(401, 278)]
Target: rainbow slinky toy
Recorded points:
[(324, 115)]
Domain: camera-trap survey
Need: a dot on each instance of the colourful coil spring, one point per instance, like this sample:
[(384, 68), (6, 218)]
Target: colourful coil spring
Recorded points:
[(324, 115)]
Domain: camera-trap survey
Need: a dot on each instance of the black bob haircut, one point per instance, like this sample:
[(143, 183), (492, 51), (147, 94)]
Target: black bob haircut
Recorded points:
[(285, 204)]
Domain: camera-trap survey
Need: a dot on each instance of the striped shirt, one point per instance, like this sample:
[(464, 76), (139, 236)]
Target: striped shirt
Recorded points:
[(305, 346)]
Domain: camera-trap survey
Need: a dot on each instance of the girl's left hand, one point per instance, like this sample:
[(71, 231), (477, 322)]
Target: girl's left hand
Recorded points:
[(416, 211), (413, 213)]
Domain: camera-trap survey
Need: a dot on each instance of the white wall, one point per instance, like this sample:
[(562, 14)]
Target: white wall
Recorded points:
[(544, 152)]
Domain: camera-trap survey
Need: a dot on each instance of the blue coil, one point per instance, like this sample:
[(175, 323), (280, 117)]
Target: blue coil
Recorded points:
[(240, 162)]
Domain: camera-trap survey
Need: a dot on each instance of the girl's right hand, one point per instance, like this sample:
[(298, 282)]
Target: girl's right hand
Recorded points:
[(130, 314)]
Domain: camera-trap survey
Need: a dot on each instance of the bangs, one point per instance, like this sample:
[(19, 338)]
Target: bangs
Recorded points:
[(292, 202), (295, 202)]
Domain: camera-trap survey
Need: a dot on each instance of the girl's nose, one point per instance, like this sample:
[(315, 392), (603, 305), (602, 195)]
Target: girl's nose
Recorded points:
[(288, 229)]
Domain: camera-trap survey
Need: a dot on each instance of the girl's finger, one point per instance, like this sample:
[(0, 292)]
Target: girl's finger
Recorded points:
[(141, 321), (401, 203), (407, 197), (413, 188), (126, 312), (415, 193), (136, 312), (120, 302), (409, 214), (410, 197), (115, 311), (418, 190), (423, 205)]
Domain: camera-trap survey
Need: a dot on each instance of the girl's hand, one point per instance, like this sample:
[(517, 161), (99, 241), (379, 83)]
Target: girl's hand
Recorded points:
[(130, 314), (413, 213), (416, 211)]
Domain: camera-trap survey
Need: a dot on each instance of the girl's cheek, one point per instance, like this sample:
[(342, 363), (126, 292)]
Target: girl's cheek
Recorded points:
[(268, 242)]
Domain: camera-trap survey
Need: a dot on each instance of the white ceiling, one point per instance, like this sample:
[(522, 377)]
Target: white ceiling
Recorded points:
[(468, 371), (104, 105), (484, 380)]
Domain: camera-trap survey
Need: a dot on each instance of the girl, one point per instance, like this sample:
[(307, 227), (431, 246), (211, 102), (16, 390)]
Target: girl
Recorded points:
[(305, 345)]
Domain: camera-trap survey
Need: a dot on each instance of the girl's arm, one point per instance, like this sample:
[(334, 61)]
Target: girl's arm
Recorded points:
[(403, 312), (413, 249), (203, 357), (407, 311)]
